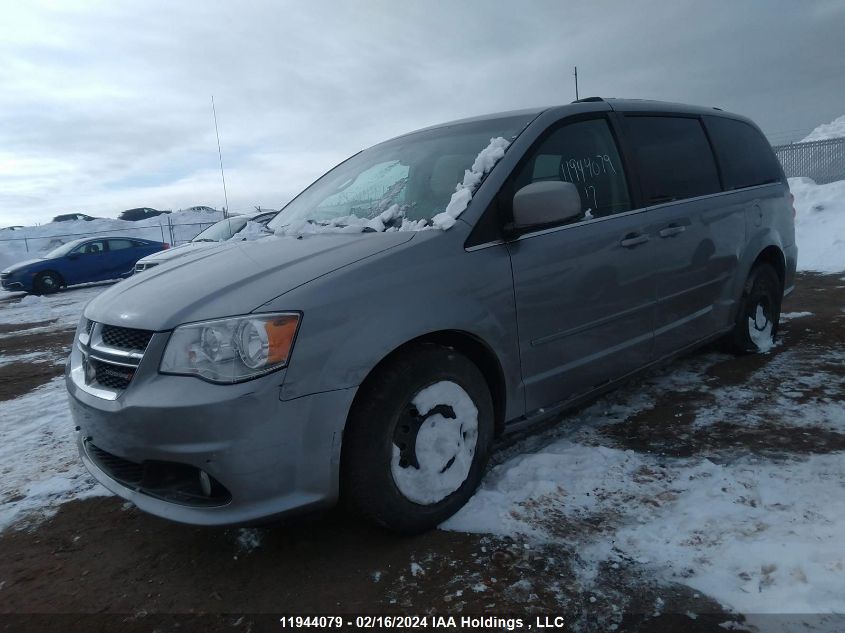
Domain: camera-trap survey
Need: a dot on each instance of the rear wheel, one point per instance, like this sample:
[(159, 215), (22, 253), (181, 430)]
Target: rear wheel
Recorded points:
[(47, 283), (758, 316), (418, 439)]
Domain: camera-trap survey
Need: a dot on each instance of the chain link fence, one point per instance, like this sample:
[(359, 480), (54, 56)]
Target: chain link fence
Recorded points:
[(823, 161), (172, 233)]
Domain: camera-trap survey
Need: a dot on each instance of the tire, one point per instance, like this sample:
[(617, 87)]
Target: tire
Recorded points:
[(758, 316), (47, 283), (404, 489)]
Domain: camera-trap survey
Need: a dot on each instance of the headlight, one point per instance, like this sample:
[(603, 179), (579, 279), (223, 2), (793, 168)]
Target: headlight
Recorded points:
[(231, 350)]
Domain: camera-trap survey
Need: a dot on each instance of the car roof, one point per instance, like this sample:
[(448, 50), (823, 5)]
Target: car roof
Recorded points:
[(615, 104)]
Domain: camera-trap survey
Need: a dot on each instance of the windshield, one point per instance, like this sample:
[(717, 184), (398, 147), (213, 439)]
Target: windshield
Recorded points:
[(418, 173), (222, 230), (64, 249)]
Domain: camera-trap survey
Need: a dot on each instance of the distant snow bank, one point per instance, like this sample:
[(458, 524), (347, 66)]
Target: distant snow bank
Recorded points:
[(834, 129), (819, 224), (32, 241)]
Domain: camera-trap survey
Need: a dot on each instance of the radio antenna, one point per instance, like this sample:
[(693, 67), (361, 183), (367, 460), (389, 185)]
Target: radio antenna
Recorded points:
[(220, 155), (576, 83)]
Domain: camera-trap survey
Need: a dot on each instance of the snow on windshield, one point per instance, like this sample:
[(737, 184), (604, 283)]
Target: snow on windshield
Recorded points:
[(390, 214), (482, 165)]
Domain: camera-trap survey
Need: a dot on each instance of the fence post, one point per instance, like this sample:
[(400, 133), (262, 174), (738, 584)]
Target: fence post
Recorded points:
[(26, 244)]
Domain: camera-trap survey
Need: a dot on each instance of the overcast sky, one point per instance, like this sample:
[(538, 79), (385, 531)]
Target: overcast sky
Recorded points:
[(106, 106)]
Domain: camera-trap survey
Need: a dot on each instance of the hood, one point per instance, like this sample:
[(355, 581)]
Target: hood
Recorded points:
[(17, 266), (177, 251), (231, 279)]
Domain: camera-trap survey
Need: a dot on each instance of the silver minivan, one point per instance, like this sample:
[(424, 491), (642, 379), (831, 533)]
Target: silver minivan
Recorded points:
[(424, 297)]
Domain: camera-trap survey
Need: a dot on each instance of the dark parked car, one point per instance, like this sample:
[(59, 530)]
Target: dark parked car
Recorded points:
[(78, 262), (398, 323), (70, 217), (201, 209), (141, 213)]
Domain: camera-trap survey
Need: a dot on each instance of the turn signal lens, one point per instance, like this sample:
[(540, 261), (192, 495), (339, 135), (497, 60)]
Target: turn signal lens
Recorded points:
[(280, 333)]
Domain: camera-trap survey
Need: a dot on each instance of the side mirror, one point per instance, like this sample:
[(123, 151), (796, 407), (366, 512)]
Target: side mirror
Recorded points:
[(546, 202)]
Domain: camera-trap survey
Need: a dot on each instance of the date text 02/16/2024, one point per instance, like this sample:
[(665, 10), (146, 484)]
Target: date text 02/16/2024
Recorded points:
[(435, 622)]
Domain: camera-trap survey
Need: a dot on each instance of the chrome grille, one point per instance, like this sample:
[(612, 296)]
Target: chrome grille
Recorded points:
[(126, 338), (111, 376), (107, 357)]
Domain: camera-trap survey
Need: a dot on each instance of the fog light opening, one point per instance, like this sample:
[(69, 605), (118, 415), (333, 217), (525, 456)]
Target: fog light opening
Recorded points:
[(205, 483)]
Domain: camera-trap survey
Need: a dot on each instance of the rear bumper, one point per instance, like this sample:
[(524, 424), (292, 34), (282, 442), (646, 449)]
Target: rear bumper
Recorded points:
[(271, 457)]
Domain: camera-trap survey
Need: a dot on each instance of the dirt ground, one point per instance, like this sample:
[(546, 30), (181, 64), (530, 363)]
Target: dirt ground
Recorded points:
[(101, 565)]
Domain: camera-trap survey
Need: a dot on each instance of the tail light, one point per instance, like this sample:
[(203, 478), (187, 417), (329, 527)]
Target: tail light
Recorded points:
[(166, 246)]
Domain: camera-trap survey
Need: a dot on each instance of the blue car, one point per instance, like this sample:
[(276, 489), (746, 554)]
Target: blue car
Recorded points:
[(79, 262)]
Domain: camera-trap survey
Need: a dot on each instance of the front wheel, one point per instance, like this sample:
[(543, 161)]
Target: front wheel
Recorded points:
[(47, 283), (418, 439), (758, 315)]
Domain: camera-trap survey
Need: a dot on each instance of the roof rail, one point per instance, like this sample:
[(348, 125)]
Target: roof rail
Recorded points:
[(588, 100)]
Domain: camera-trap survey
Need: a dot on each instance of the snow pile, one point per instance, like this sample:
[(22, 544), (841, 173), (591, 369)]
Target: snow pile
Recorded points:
[(834, 129), (484, 162), (41, 466), (819, 224)]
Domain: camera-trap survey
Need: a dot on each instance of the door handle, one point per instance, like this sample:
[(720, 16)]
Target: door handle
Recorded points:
[(633, 240), (671, 231)]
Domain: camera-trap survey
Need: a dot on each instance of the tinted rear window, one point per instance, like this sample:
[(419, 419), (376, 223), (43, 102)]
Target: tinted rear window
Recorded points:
[(745, 156), (673, 158)]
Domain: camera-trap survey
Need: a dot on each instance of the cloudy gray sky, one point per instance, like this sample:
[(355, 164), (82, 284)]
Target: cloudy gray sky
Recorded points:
[(106, 105)]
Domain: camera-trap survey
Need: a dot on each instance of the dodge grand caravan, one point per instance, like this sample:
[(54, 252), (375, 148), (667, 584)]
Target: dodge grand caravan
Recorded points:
[(421, 298)]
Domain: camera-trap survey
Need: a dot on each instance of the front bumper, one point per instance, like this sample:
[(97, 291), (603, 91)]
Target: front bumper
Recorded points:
[(12, 284), (272, 457)]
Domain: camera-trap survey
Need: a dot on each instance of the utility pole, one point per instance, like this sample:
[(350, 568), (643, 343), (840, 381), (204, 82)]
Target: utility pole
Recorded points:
[(220, 154), (576, 83)]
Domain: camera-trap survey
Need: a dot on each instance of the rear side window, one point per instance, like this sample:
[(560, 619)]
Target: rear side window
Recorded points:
[(745, 156), (583, 153), (673, 158), (119, 245)]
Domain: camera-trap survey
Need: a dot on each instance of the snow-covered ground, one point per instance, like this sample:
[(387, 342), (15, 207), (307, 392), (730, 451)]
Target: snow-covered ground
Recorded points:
[(40, 465), (758, 530), (62, 309)]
